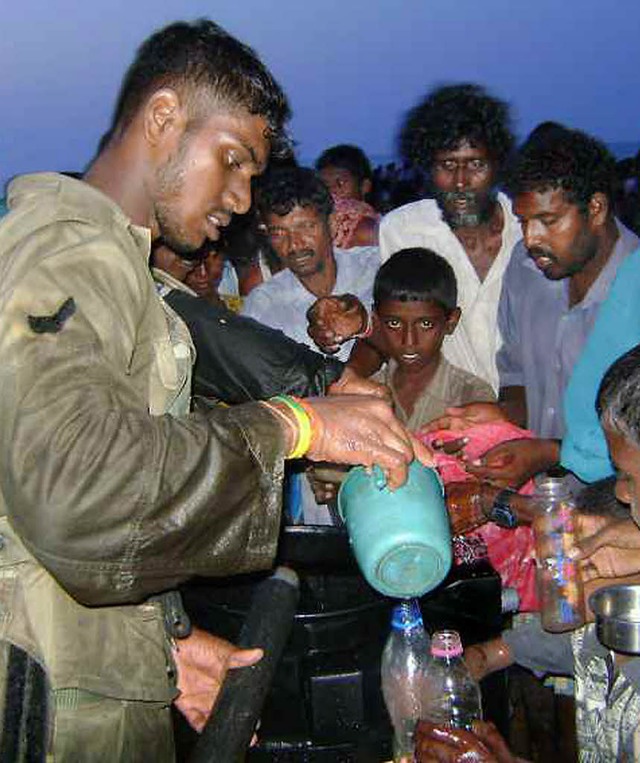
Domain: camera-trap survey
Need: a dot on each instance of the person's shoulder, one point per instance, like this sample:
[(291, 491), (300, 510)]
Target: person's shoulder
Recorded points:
[(268, 293), (57, 222), (358, 256), (467, 386), (424, 211)]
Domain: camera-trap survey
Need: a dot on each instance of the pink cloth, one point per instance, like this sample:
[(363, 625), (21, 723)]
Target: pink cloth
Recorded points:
[(511, 552), (345, 218)]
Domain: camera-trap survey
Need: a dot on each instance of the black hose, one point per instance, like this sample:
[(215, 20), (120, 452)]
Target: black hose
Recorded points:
[(227, 734)]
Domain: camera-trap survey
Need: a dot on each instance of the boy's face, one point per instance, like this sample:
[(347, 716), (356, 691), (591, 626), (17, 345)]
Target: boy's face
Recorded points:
[(342, 184), (414, 331), (626, 458)]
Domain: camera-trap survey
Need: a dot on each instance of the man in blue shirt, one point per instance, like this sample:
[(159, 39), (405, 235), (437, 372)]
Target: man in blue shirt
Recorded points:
[(562, 187)]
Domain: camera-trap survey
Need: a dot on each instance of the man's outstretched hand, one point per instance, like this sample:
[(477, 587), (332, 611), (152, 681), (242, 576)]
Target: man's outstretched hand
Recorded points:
[(336, 319), (202, 661)]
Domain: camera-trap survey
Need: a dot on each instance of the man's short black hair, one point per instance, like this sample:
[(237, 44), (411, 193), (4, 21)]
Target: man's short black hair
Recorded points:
[(346, 157), (283, 188), (618, 398), (451, 115), (561, 158), (201, 60), (416, 275)]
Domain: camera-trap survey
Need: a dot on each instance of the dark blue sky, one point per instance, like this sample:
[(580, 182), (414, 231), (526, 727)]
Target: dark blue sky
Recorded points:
[(351, 67)]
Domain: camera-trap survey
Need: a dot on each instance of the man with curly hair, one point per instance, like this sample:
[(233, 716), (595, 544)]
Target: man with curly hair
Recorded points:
[(562, 185), (462, 137)]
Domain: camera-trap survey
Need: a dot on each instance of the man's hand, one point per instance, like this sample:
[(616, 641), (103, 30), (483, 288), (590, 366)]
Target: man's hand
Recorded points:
[(444, 744), (465, 416), (202, 661), (324, 490), (487, 657), (334, 320), (353, 429), (512, 463), (610, 551), (351, 383)]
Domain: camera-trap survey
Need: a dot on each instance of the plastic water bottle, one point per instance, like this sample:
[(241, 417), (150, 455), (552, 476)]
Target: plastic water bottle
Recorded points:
[(452, 696), (403, 672), (559, 583)]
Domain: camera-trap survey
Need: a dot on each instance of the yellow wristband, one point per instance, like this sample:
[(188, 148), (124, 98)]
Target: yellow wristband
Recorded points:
[(304, 425)]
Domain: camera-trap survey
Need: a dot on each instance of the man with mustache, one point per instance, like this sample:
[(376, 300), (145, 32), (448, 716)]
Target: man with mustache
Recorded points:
[(562, 185), (461, 135), (296, 206)]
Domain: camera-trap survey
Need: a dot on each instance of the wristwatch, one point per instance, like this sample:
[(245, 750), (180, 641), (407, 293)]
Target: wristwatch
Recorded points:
[(501, 512)]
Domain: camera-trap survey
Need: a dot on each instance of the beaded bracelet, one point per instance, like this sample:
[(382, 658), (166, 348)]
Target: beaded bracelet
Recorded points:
[(304, 424)]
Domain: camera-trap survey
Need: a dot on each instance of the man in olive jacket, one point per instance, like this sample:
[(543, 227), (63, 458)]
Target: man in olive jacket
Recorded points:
[(110, 491)]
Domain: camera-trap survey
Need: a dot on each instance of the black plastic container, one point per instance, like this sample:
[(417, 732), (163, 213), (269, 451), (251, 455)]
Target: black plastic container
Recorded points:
[(325, 702)]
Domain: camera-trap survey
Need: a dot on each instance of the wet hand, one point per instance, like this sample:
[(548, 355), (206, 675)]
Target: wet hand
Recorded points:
[(354, 429), (351, 383)]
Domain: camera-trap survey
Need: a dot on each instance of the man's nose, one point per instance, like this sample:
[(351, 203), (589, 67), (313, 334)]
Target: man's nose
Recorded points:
[(460, 176), (531, 234), (237, 197), (297, 238)]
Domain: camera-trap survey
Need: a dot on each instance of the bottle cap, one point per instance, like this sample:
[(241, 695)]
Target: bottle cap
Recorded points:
[(446, 644)]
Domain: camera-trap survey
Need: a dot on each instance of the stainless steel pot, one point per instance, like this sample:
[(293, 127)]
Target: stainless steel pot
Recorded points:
[(617, 611)]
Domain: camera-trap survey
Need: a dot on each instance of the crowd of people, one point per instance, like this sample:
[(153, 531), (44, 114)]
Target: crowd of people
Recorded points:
[(196, 319)]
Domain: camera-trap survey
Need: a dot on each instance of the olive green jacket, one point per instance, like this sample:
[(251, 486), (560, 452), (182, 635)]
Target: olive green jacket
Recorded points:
[(105, 497)]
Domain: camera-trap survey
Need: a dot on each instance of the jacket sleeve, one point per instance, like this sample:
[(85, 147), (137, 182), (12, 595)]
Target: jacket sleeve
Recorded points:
[(118, 504), (239, 359)]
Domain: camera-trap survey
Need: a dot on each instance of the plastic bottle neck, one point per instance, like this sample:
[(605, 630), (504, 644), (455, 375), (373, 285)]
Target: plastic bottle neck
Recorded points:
[(446, 644), (553, 488), (407, 616)]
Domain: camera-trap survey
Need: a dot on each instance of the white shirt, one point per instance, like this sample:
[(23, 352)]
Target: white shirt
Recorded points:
[(282, 302), (475, 342)]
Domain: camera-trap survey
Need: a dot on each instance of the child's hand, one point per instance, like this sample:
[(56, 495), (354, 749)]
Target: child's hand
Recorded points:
[(512, 463)]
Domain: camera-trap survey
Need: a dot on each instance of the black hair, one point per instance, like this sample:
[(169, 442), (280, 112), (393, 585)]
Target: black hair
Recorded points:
[(346, 157), (199, 59), (451, 115), (281, 189), (561, 158), (618, 398), (416, 275)]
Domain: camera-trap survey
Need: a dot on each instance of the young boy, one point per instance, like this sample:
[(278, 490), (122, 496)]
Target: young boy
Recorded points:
[(415, 306)]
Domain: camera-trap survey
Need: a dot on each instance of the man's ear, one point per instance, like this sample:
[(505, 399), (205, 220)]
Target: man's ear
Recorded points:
[(452, 320), (365, 187), (598, 209), (164, 117)]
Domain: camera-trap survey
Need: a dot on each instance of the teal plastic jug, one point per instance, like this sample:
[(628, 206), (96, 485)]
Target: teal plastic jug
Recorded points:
[(401, 538)]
